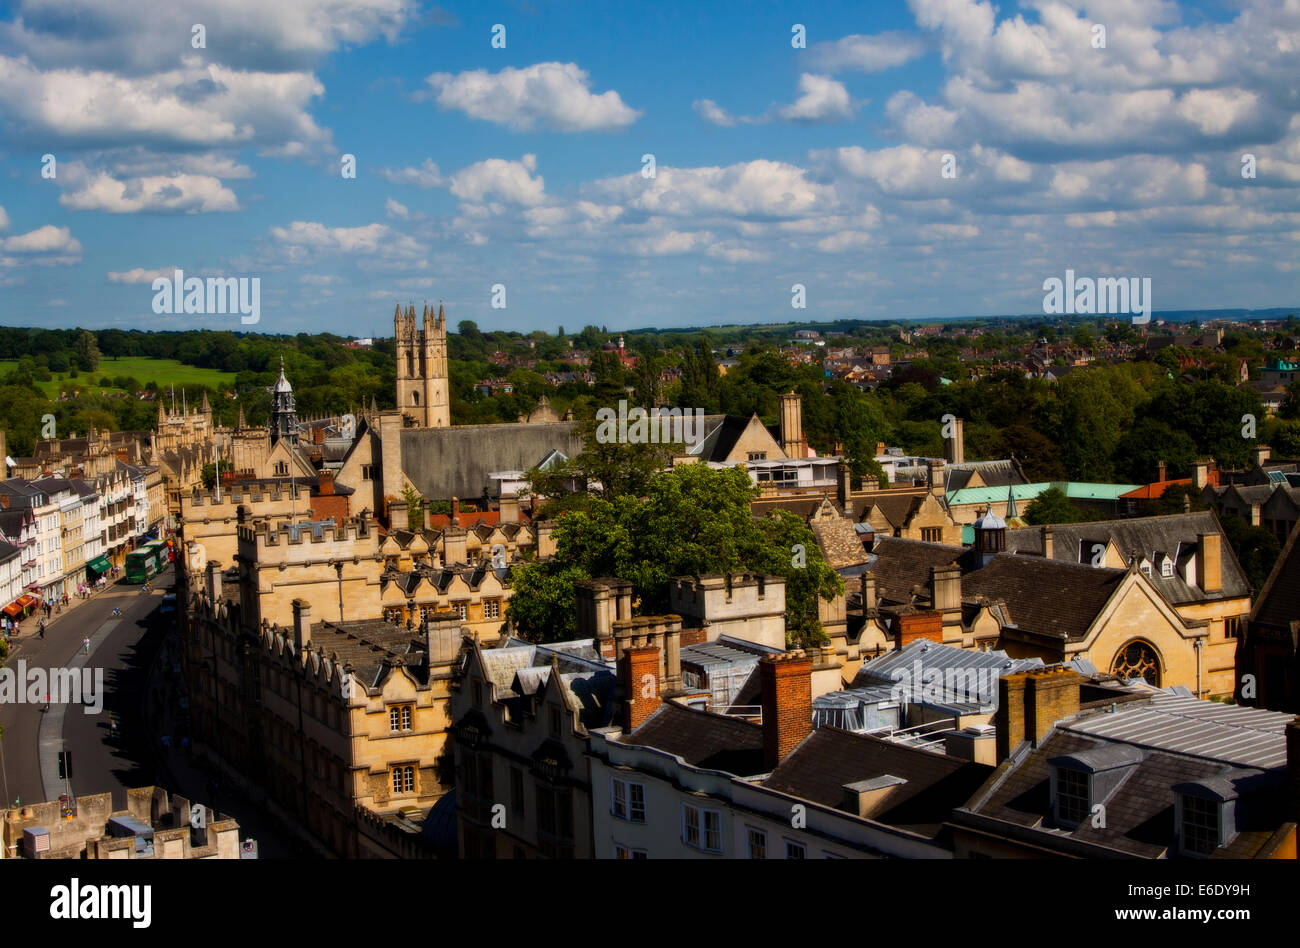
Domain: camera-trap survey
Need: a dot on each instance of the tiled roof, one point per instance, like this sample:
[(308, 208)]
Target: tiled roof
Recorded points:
[(900, 565), (1045, 597), (702, 739), (829, 758), (1279, 602)]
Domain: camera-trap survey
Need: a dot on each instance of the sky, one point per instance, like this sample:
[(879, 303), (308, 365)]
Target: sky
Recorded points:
[(927, 158)]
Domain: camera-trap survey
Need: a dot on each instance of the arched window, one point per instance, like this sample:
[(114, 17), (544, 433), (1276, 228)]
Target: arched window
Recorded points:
[(410, 364), (1138, 659), (415, 398)]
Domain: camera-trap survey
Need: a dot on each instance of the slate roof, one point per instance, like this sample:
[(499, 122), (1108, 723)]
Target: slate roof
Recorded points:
[(838, 540), (829, 758), (456, 461), (999, 473), (523, 669), (1181, 740), (1171, 534), (702, 739), (899, 565), (370, 645), (1045, 597), (1279, 602)]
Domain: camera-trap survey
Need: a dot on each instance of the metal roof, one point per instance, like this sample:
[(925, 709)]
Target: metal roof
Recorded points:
[(1233, 734)]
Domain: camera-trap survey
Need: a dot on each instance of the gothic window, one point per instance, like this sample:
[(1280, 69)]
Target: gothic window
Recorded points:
[(415, 398), (1138, 660), (410, 364)]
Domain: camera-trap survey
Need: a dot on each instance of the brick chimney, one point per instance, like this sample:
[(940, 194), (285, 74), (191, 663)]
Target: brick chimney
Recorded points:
[(325, 483), (1048, 546), (639, 671), (1209, 562), (791, 428), (1160, 471), (844, 488), (455, 511), (954, 448), (1030, 703), (301, 625), (937, 469), (786, 684), (910, 626)]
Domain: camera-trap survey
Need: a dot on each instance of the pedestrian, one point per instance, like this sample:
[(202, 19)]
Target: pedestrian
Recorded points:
[(41, 627), (86, 644)]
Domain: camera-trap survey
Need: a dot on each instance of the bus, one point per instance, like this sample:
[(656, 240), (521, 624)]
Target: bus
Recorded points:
[(141, 565), (148, 561)]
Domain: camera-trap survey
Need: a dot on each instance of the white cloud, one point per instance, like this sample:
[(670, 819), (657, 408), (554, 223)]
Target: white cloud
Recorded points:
[(710, 111), (874, 53), (426, 176), (553, 96), (304, 238), (181, 193), (510, 181), (396, 209), (45, 240), (749, 189), (140, 275), (4, 219), (821, 99)]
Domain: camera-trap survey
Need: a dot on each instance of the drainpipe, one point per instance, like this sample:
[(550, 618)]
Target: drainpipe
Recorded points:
[(1200, 644)]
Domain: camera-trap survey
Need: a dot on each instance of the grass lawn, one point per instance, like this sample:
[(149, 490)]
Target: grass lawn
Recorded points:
[(166, 372)]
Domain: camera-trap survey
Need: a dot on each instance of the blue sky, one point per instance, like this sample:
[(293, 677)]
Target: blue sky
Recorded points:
[(522, 166)]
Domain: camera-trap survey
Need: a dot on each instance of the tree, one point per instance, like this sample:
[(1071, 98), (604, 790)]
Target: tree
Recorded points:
[(414, 507), (606, 467), (1053, 506), (693, 520), (87, 350), (208, 474), (1257, 549)]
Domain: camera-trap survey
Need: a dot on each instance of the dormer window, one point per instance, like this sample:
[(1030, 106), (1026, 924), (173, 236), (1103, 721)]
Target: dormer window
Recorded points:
[(1200, 825), (1167, 567), (1072, 796)]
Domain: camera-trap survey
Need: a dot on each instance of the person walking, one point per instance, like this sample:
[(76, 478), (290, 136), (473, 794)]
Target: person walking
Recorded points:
[(41, 628), (86, 645)]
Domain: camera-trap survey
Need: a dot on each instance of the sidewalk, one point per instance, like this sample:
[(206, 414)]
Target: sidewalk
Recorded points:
[(29, 628)]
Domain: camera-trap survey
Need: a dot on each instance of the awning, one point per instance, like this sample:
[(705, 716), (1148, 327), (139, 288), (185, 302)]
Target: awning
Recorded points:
[(13, 609), (25, 602), (100, 564)]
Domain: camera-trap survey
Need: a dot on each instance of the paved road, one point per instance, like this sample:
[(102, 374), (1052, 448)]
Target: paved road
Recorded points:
[(140, 691)]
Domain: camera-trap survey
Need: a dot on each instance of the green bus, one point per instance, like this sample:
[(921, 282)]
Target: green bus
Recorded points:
[(145, 563)]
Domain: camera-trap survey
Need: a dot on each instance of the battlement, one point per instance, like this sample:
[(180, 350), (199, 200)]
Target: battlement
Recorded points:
[(235, 495), (263, 534)]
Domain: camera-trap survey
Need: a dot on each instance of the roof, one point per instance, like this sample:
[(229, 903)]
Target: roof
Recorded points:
[(1075, 490), (1174, 535), (1279, 602), (827, 760), (898, 565), (999, 473), (456, 461), (1045, 597), (702, 739), (1182, 742)]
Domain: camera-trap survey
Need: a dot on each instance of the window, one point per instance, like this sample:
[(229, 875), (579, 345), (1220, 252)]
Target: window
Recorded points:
[(932, 534), (399, 718), (702, 829), (1232, 627), (628, 800), (492, 609), (461, 609), (367, 472), (517, 790), (622, 852), (758, 455), (757, 844), (281, 468), (795, 850), (404, 779), (1200, 825), (1167, 568), (1072, 796)]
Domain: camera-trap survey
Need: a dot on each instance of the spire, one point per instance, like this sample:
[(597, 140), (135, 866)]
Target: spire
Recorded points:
[(207, 408), (242, 424), (162, 414), (1011, 502)]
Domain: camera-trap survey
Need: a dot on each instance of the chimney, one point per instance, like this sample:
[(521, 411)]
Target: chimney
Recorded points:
[(1048, 546), (595, 614), (455, 511), (1260, 453), (508, 508), (325, 483), (1209, 562), (673, 658), (1010, 717), (868, 591), (945, 584), (786, 683), (844, 488), (301, 625), (910, 626), (454, 549), (938, 476), (545, 539), (640, 674), (1160, 471), (214, 580), (791, 428), (954, 448), (977, 743), (442, 637), (1051, 695), (1201, 473)]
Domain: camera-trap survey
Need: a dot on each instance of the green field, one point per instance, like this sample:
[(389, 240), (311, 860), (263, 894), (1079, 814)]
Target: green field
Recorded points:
[(166, 372)]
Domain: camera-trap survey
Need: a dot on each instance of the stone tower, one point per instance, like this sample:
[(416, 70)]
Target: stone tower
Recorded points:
[(284, 420), (422, 393)]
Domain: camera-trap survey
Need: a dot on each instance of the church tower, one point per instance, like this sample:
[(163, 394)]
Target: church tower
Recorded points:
[(422, 387), (284, 420)]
